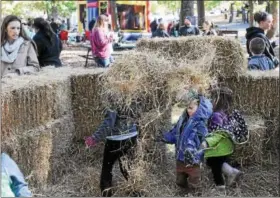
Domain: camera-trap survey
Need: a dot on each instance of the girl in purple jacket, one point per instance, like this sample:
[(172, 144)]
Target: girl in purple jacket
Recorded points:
[(234, 125)]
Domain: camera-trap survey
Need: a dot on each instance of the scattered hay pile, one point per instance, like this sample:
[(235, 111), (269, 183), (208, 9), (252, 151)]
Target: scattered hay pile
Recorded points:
[(141, 86), (227, 57)]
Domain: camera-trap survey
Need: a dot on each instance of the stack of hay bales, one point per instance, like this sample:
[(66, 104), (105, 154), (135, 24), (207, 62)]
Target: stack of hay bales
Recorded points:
[(37, 121), (255, 94)]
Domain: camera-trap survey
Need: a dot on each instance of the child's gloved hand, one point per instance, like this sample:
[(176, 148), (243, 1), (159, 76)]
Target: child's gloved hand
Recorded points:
[(90, 141)]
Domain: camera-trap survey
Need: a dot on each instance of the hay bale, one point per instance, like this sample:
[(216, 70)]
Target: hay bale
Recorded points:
[(261, 96), (31, 151), (225, 55), (252, 152), (86, 104), (26, 108), (62, 132)]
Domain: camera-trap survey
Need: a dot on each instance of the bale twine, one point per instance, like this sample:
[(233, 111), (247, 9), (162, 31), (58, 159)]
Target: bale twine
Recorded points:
[(228, 58)]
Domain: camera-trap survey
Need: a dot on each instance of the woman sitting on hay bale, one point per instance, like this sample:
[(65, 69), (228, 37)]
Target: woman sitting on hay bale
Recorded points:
[(18, 52), (120, 135), (48, 44), (265, 22), (225, 130), (187, 135), (12, 180)]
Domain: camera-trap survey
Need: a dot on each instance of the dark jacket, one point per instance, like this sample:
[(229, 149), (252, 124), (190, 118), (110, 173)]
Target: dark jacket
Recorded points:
[(253, 32), (115, 127), (260, 62), (189, 133), (153, 26), (160, 33), (55, 27), (188, 30), (48, 53)]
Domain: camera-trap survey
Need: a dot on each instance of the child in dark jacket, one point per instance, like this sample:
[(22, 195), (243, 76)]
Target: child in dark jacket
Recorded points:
[(225, 130), (259, 61), (120, 136), (187, 136)]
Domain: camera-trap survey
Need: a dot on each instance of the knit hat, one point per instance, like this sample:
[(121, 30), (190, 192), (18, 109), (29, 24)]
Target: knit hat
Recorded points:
[(187, 96), (189, 18)]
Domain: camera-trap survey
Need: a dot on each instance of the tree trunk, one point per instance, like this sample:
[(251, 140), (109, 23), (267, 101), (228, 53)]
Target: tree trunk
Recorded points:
[(200, 12), (251, 13), (275, 28), (187, 9)]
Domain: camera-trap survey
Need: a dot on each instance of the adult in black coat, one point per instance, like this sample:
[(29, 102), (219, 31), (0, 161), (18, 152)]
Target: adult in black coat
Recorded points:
[(264, 21), (48, 44), (160, 32), (188, 29), (54, 26)]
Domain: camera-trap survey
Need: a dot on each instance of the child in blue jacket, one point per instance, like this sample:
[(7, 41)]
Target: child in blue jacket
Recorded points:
[(187, 135), (12, 180)]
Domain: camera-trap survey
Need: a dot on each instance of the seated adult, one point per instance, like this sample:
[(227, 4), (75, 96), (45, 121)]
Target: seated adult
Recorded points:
[(48, 44), (188, 29), (264, 21), (259, 61), (160, 32), (18, 52), (208, 29), (100, 42)]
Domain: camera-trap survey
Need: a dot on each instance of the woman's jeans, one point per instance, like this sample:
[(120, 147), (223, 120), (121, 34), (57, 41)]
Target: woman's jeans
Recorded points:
[(104, 62)]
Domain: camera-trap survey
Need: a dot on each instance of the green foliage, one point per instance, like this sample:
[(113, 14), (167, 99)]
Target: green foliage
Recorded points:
[(24, 8), (173, 6), (209, 5)]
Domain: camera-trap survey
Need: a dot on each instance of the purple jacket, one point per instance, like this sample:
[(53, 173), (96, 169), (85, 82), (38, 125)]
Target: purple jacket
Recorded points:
[(234, 124)]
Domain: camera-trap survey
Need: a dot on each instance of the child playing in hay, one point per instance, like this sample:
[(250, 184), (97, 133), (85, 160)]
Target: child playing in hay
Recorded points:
[(12, 180), (225, 130), (120, 136), (187, 136), (259, 61)]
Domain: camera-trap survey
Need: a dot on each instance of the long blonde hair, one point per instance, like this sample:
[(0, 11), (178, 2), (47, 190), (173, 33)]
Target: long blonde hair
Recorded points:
[(100, 21)]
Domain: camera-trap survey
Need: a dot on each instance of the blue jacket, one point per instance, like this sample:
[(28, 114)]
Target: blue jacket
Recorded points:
[(17, 183), (261, 62), (114, 127), (194, 129)]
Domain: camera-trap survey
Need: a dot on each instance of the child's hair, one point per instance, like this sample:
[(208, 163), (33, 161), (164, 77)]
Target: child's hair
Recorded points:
[(261, 16), (257, 45), (222, 97), (210, 24)]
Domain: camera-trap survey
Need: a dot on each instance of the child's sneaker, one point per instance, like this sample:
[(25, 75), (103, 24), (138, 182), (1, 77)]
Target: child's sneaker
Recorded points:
[(234, 176)]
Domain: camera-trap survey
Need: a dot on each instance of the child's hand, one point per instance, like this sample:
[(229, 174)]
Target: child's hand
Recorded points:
[(90, 141), (203, 145)]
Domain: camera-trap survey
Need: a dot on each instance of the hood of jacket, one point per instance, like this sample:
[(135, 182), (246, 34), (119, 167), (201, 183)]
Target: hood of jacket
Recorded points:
[(252, 31)]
